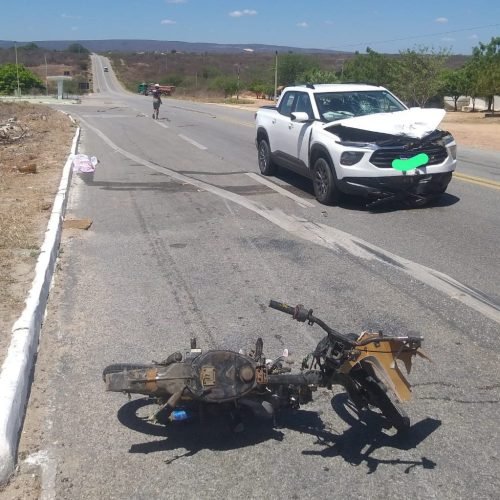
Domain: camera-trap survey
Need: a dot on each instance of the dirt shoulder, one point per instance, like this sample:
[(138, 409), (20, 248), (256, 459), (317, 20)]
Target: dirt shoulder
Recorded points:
[(34, 144), (473, 130)]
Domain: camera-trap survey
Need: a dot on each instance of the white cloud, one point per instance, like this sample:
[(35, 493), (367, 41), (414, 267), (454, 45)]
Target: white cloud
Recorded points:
[(303, 24), (244, 12), (69, 16), (441, 20), (473, 37), (447, 39), (167, 21)]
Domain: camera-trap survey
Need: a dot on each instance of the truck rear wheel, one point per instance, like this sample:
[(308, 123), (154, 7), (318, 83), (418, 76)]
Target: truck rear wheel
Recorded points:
[(325, 190), (266, 164)]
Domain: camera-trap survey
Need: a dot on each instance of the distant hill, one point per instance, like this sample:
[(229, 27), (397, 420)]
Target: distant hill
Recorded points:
[(165, 46)]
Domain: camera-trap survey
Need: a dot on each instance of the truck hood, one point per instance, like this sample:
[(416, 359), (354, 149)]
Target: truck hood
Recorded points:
[(415, 122)]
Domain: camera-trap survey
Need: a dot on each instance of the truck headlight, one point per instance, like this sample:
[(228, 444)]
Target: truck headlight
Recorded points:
[(453, 151), (351, 157), (447, 139)]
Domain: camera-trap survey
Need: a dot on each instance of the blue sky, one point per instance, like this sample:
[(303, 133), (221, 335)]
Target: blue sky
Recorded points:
[(384, 25)]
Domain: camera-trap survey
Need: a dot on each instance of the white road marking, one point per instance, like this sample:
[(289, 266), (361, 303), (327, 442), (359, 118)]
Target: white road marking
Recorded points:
[(164, 125), (104, 115), (297, 199), (334, 239), (194, 143)]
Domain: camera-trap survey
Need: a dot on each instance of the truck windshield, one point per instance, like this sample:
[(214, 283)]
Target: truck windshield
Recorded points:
[(333, 106)]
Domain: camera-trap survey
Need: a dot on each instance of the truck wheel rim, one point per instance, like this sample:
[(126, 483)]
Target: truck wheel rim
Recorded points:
[(263, 157), (321, 179)]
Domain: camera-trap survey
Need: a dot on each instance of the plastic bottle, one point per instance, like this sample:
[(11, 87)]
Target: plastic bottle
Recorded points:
[(180, 415)]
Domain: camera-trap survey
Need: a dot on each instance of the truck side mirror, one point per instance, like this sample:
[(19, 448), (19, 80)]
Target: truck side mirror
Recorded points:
[(300, 116)]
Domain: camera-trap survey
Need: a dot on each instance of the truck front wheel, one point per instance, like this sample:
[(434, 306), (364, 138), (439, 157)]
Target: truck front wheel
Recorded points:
[(325, 190), (266, 164)]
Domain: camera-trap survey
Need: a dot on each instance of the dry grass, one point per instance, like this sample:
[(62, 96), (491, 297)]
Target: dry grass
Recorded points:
[(26, 199)]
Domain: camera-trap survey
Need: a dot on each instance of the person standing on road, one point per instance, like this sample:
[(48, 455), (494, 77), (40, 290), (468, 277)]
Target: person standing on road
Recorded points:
[(156, 101)]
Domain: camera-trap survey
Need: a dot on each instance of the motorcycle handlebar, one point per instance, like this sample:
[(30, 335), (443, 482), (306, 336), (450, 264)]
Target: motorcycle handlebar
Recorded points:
[(300, 313), (280, 306)]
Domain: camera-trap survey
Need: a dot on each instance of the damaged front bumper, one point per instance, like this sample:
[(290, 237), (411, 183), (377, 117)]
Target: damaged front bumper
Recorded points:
[(405, 185)]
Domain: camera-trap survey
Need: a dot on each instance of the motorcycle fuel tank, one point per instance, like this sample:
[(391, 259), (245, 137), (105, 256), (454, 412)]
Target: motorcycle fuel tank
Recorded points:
[(220, 376)]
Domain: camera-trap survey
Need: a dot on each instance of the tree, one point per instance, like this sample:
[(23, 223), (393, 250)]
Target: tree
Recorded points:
[(372, 67), (487, 59), (29, 46), (316, 75), (290, 66), (174, 79), (472, 73), (454, 84), (418, 74), (226, 84), (9, 75), (77, 48), (258, 87)]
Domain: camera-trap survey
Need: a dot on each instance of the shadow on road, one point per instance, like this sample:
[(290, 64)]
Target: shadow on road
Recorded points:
[(303, 187), (366, 434), (214, 433)]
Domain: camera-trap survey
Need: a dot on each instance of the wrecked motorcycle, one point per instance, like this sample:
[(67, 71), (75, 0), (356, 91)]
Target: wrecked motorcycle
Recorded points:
[(365, 365)]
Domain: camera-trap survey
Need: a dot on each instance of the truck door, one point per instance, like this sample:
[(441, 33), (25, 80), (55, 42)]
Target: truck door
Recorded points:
[(291, 137)]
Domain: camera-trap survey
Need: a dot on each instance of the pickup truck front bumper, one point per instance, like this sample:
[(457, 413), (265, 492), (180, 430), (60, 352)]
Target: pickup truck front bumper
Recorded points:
[(384, 187)]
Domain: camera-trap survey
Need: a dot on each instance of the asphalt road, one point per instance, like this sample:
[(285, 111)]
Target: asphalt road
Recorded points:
[(185, 243)]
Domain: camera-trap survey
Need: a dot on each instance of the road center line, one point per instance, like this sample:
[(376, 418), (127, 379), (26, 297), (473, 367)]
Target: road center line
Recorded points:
[(480, 181), (297, 199), (102, 115), (194, 143), (334, 239)]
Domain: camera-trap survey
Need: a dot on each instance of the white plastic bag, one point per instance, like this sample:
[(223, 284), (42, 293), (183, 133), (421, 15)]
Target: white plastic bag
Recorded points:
[(84, 163)]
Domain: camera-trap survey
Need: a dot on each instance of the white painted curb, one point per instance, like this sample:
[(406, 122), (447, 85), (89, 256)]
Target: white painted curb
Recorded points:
[(15, 377)]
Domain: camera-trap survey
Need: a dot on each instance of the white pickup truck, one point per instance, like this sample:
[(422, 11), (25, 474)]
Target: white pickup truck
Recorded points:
[(356, 139)]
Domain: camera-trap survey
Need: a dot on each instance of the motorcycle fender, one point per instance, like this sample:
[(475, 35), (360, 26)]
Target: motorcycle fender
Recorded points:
[(387, 371), (382, 356), (155, 380)]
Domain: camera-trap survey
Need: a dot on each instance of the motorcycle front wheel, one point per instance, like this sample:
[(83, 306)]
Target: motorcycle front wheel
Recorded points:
[(376, 393)]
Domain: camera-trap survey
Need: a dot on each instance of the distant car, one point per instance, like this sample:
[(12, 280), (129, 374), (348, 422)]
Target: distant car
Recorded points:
[(106, 69)]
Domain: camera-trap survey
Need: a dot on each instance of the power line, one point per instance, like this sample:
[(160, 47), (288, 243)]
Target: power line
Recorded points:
[(414, 37)]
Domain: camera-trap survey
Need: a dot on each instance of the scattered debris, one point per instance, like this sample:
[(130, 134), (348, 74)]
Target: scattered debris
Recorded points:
[(84, 163), (12, 131), (77, 224), (27, 169)]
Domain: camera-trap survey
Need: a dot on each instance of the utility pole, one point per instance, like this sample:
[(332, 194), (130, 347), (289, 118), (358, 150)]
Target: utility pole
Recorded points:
[(46, 75), (17, 71), (276, 77), (238, 84)]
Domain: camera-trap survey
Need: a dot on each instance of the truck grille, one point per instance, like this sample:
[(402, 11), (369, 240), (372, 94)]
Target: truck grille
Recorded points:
[(383, 157)]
